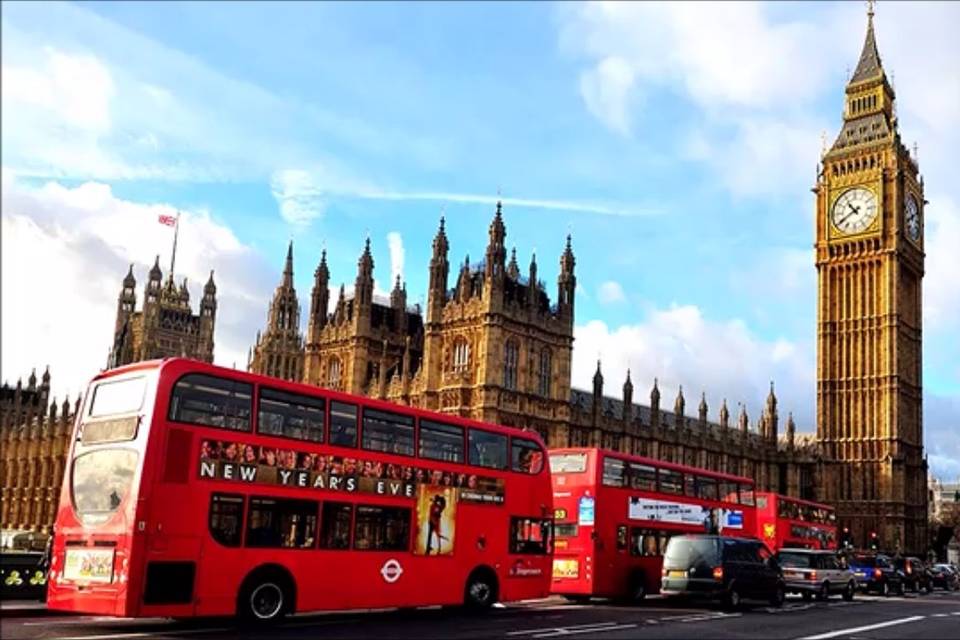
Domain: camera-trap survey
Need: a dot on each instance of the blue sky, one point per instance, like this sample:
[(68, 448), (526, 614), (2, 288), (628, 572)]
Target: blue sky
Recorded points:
[(677, 143)]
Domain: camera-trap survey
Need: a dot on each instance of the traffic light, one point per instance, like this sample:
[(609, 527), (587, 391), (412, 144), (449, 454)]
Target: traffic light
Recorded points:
[(846, 541), (874, 541)]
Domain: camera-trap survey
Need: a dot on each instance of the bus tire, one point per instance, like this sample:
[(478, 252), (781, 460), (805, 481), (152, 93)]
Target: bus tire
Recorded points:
[(481, 590), (637, 588), (266, 596)]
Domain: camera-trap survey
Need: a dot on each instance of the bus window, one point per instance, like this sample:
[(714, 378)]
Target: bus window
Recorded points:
[(278, 522), (707, 488), (671, 482), (526, 456), (746, 496), (530, 536), (211, 401), (621, 537), (566, 530), (335, 525), (381, 529), (488, 449), (387, 432), (614, 472), (643, 477), (643, 542), (118, 396), (343, 424), (291, 415), (226, 519), (568, 462), (441, 441), (728, 492)]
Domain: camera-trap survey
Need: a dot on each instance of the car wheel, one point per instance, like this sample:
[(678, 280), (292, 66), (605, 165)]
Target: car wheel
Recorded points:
[(884, 589), (779, 595), (824, 594), (481, 590), (849, 592), (807, 596), (900, 589), (732, 599)]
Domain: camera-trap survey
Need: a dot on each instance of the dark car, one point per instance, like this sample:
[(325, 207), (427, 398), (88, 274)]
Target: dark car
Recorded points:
[(916, 575), (944, 577), (721, 568), (876, 572), (816, 573)]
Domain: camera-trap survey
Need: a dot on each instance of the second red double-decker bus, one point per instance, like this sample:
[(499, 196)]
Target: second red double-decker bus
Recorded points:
[(785, 522), (614, 514), (194, 490)]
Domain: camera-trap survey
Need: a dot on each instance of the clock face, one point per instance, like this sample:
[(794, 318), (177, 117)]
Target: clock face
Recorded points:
[(855, 210), (911, 216)]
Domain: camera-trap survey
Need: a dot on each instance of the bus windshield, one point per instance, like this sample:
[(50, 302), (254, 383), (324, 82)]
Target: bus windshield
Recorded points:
[(568, 462), (118, 396)]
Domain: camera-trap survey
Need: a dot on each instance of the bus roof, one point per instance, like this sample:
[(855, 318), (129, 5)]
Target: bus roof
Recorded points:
[(652, 461), (178, 366)]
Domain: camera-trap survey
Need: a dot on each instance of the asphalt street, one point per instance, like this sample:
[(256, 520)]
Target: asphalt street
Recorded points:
[(928, 617)]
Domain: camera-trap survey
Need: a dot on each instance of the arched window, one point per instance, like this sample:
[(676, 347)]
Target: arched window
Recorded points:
[(461, 355), (545, 372), (334, 373), (511, 356)]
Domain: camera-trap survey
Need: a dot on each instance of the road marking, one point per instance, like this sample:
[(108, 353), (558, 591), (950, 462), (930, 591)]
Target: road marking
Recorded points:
[(869, 627), (573, 626), (148, 634), (939, 615), (565, 632)]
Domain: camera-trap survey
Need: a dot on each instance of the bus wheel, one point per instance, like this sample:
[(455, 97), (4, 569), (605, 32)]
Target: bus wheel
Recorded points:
[(638, 589), (265, 598), (481, 590)]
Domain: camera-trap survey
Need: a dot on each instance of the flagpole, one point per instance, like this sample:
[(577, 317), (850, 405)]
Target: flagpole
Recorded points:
[(173, 256)]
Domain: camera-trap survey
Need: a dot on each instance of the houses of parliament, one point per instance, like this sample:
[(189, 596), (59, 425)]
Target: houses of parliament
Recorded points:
[(494, 343)]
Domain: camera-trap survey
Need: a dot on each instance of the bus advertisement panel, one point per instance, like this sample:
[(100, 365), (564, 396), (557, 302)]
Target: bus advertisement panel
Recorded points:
[(785, 522), (614, 514), (194, 490)]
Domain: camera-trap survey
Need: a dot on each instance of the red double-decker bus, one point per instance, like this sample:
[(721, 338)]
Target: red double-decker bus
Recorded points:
[(194, 490), (614, 514), (785, 522)]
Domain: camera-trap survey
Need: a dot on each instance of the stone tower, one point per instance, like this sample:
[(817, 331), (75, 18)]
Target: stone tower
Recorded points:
[(869, 258), (278, 352), (166, 326)]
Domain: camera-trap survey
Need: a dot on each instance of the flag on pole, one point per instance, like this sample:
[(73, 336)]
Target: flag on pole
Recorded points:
[(170, 221)]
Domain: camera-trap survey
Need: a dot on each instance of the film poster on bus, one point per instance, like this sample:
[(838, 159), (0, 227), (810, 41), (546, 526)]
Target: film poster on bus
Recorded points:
[(238, 462), (436, 520)]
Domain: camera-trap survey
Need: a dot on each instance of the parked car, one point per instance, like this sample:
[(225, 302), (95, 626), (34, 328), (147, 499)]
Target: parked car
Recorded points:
[(721, 568), (816, 573), (944, 577), (916, 575), (23, 575), (875, 572)]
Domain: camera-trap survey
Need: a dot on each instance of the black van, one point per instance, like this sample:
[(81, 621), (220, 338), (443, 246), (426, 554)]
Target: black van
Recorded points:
[(721, 568)]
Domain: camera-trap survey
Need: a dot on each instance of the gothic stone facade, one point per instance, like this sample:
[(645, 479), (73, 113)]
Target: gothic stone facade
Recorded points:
[(869, 257), (494, 347), (166, 326), (35, 437)]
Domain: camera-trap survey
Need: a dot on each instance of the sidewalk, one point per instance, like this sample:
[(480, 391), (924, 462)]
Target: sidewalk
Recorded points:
[(26, 609)]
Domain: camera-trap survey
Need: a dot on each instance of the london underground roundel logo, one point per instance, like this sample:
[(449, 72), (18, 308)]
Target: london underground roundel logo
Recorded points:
[(391, 570)]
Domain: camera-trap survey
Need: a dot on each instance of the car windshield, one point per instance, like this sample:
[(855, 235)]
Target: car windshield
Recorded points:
[(795, 560), (686, 552)]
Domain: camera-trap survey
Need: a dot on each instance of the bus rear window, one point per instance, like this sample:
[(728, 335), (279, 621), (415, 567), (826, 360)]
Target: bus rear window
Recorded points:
[(117, 396), (100, 481), (568, 462)]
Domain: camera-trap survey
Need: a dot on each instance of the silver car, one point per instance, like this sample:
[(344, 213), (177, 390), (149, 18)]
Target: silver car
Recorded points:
[(816, 573)]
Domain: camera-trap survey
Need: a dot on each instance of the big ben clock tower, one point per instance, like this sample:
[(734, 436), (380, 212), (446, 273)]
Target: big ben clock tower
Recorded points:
[(869, 256)]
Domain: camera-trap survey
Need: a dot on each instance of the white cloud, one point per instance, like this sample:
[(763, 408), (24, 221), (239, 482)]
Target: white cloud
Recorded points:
[(681, 347), (606, 89), (611, 292), (395, 243), (65, 252)]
